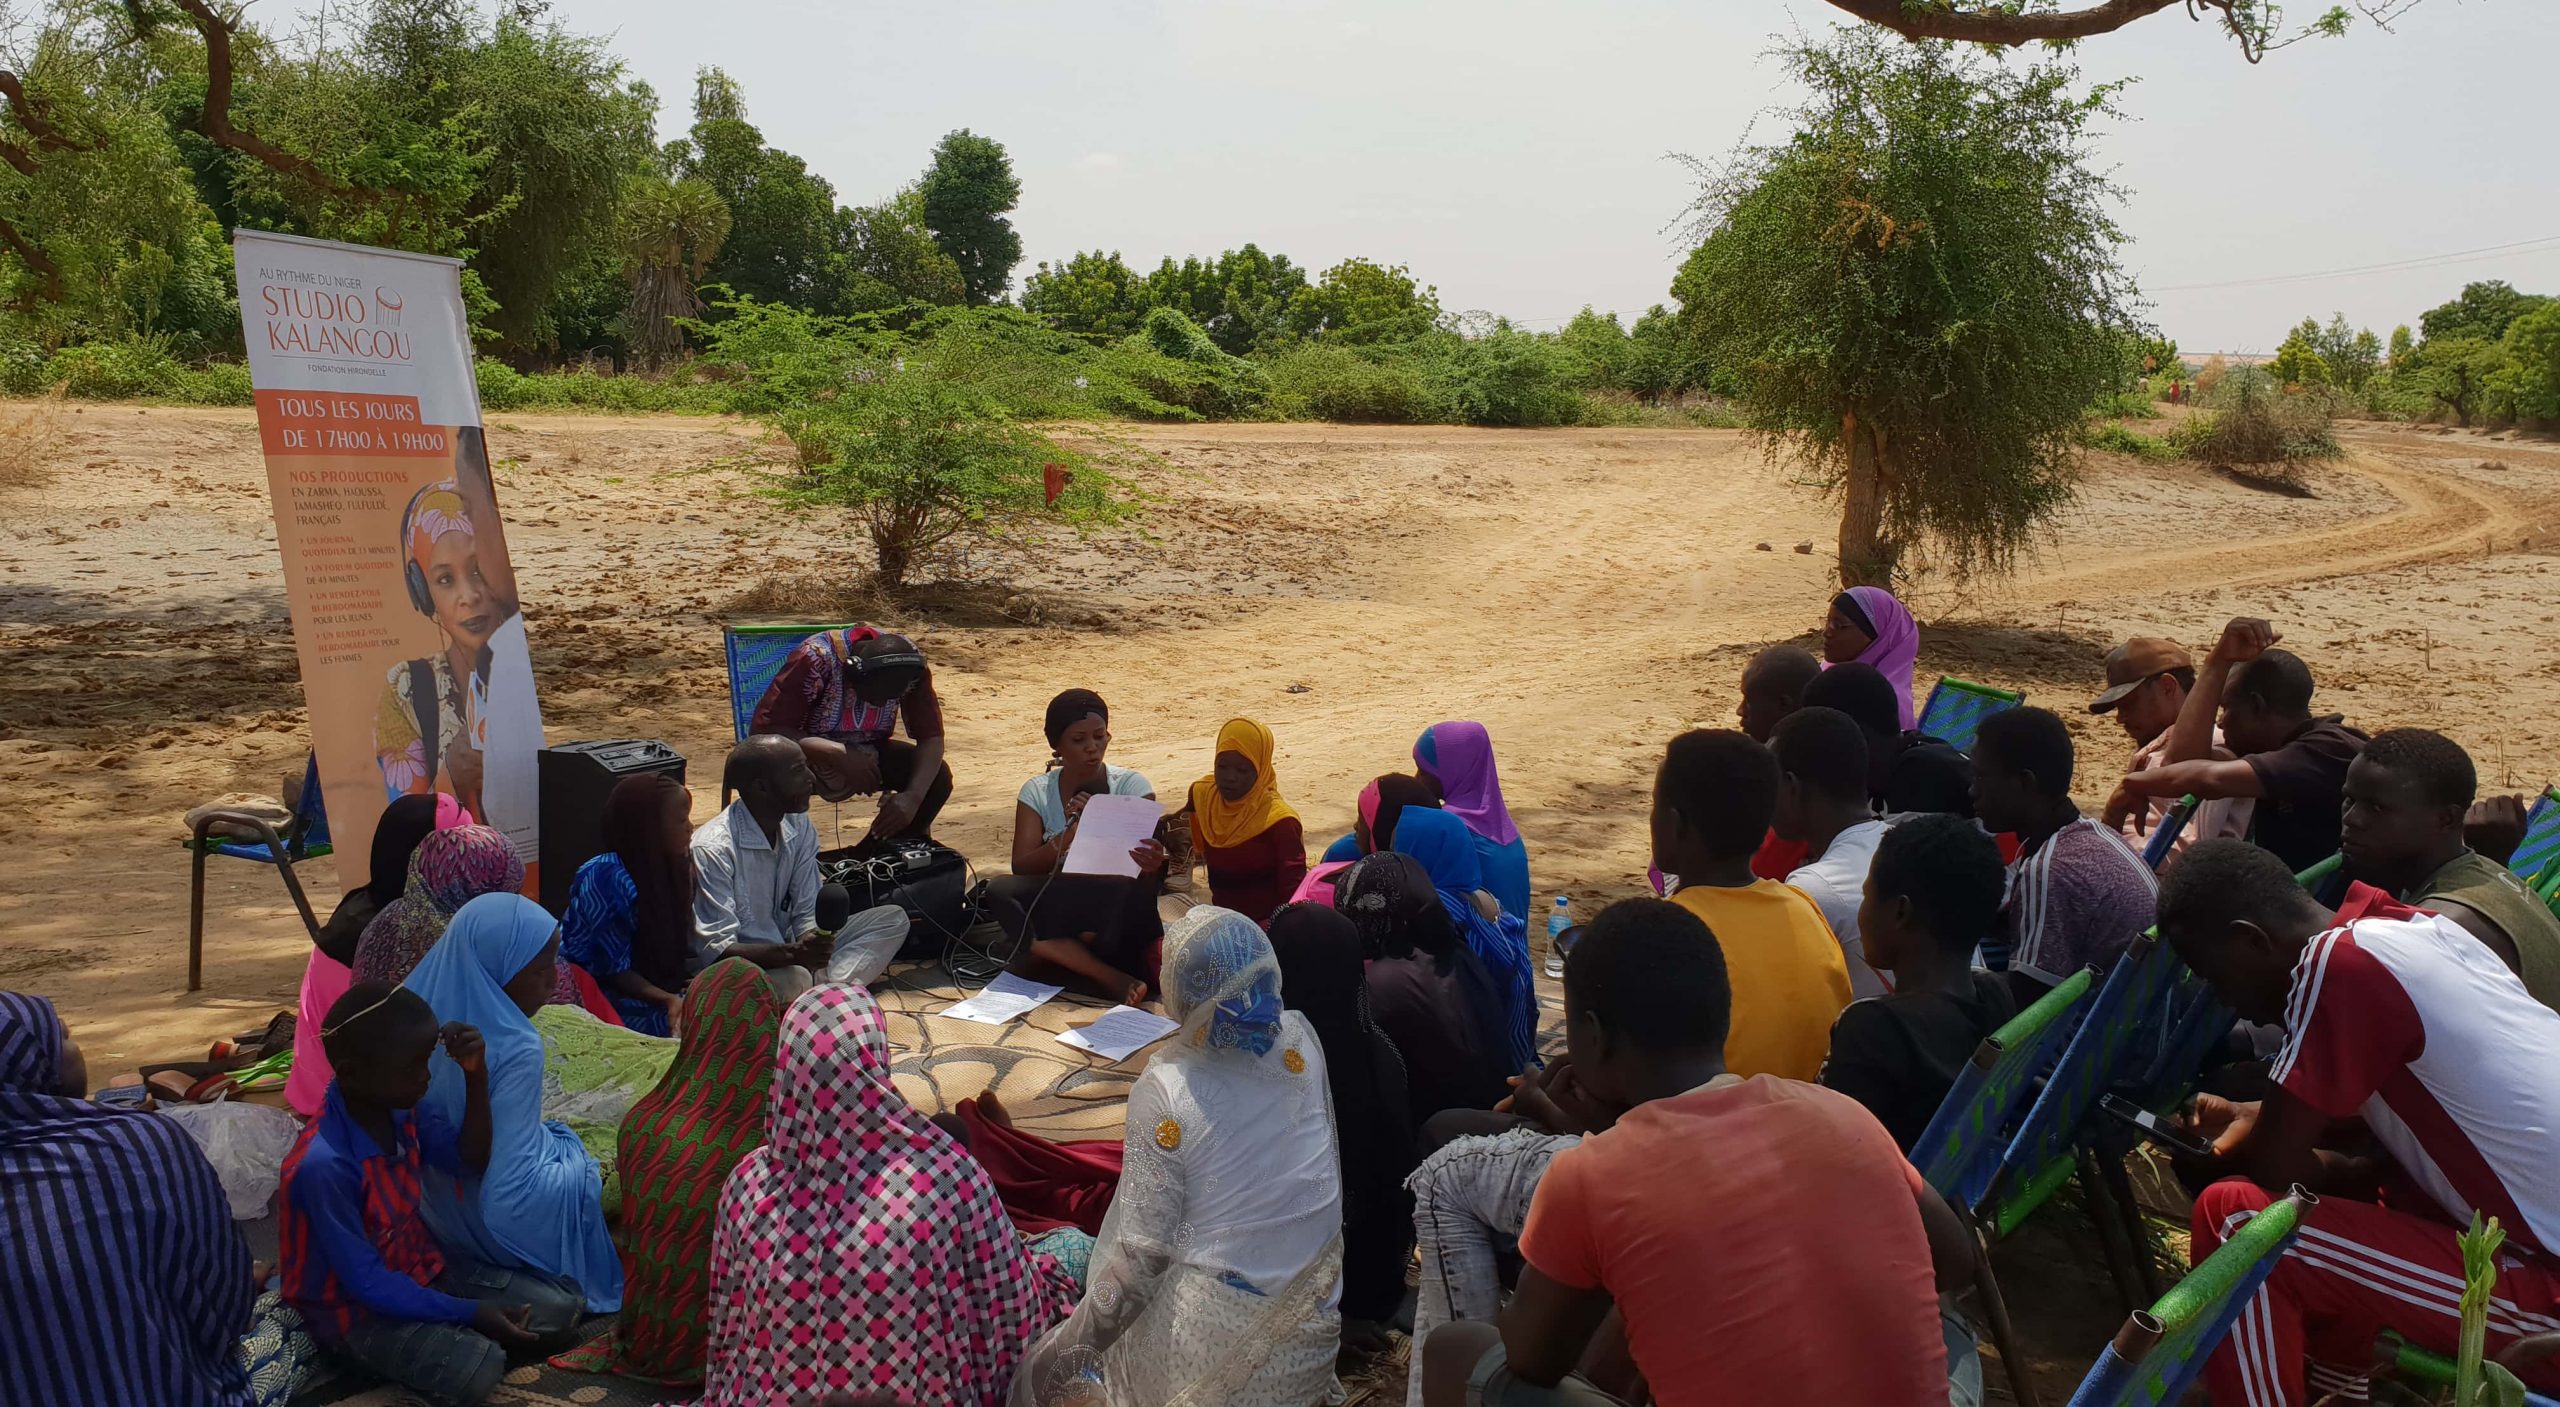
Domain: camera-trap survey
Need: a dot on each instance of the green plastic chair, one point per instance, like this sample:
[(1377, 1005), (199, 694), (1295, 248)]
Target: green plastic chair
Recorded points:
[(2160, 1351), (1959, 1153)]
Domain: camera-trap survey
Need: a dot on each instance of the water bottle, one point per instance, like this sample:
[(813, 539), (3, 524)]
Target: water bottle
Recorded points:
[(1559, 918)]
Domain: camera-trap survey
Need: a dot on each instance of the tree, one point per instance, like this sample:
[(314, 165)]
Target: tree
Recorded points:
[(2483, 311), (889, 260), (2298, 361), (671, 233), (1601, 345), (2531, 378), (1917, 294), (2456, 374), (1093, 295), (2402, 347), (920, 460), (967, 192), (2350, 355), (782, 232), (2257, 25), (1254, 293), (1361, 302)]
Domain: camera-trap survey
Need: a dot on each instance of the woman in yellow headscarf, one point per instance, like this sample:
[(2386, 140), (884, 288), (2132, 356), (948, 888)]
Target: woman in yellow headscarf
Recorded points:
[(1251, 841)]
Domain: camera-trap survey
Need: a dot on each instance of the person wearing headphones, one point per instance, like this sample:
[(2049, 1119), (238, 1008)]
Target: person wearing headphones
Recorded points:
[(841, 694), (462, 721)]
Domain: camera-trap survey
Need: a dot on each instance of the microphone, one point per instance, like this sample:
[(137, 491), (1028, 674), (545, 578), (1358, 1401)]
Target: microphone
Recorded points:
[(835, 906)]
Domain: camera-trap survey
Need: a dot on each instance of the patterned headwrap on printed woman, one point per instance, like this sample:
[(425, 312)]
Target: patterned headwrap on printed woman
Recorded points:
[(439, 513)]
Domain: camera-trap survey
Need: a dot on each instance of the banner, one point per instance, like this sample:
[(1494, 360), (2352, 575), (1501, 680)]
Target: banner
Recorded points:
[(405, 610)]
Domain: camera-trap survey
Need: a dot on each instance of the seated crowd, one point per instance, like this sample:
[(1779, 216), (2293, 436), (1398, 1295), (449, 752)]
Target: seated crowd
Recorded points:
[(1699, 1190)]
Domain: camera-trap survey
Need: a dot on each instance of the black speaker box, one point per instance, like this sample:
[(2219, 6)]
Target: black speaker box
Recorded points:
[(575, 779)]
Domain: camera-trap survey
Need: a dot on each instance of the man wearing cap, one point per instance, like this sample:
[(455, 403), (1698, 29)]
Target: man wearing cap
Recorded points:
[(2147, 683), (841, 694)]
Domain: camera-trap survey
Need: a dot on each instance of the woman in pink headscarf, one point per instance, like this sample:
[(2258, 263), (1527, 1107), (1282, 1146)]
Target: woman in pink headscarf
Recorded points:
[(1869, 626)]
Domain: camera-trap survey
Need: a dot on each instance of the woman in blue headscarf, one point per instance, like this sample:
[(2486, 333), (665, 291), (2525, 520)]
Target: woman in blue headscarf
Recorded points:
[(540, 1205), (1459, 758), (1498, 938)]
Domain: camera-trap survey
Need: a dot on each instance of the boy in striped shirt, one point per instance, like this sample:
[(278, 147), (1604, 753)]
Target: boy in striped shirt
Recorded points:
[(2407, 1022)]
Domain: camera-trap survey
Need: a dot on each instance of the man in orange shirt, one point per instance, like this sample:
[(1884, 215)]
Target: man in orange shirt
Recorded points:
[(1759, 1240), (1712, 802)]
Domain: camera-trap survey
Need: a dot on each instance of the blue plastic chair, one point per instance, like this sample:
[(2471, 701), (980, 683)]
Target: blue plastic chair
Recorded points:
[(2164, 836), (756, 653), (1959, 1152), (305, 837), (1957, 707), (2161, 1351), (2537, 857)]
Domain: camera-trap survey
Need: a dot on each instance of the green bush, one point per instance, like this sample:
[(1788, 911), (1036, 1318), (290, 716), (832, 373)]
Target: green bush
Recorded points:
[(112, 371), (214, 383), (1506, 377), (501, 386), (22, 362), (2260, 430), (1322, 381), (2108, 435), (2138, 404)]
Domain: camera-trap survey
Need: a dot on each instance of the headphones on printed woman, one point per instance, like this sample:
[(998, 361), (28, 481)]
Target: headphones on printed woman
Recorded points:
[(410, 572)]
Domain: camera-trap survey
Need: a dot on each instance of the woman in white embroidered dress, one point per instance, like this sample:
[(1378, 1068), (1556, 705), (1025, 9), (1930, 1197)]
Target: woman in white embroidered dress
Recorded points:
[(1218, 1275)]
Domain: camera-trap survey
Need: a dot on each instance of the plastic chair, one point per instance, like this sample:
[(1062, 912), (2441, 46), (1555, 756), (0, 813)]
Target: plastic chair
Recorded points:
[(756, 653), (1956, 708), (2537, 857), (2164, 836), (1959, 1152), (2159, 1352), (305, 837)]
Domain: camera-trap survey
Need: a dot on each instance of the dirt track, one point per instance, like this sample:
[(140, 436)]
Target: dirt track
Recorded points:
[(1585, 593)]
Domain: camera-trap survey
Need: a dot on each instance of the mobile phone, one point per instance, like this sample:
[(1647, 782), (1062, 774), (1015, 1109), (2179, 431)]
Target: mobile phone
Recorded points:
[(2153, 1127)]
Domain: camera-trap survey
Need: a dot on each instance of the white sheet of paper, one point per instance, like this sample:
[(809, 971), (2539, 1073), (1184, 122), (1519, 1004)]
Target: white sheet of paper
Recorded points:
[(1111, 827), (1002, 1000), (1122, 1032)]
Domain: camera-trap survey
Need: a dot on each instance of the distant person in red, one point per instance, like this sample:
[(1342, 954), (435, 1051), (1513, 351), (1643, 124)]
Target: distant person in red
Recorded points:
[(1773, 687), (1252, 842), (841, 694)]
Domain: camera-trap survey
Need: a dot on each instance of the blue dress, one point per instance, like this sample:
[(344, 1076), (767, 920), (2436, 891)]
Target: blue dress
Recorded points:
[(596, 935)]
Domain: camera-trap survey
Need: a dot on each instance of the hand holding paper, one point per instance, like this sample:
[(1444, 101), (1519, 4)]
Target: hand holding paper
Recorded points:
[(1110, 828)]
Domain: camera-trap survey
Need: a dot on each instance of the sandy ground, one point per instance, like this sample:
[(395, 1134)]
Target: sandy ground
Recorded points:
[(1585, 593)]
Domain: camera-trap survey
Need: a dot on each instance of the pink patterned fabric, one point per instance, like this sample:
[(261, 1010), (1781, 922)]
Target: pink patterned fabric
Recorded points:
[(861, 1250)]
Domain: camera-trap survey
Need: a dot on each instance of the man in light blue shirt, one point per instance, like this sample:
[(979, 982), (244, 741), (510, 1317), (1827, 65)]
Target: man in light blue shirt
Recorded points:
[(756, 895)]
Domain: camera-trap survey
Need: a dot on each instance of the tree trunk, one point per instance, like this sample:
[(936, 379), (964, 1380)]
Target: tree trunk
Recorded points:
[(1867, 556)]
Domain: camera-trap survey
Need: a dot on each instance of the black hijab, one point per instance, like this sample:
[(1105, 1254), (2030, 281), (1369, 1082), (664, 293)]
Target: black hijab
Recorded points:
[(1446, 1013), (1396, 791), (404, 823), (1322, 979)]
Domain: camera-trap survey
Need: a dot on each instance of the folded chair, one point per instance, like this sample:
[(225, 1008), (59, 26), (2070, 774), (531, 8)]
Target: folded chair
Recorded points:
[(1956, 708), (2164, 836), (2159, 1352), (305, 837), (2537, 857), (1959, 1153), (756, 653)]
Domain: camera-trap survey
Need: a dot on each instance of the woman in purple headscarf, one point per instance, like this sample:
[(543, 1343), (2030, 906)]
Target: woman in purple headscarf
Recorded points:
[(1870, 627), (1459, 756)]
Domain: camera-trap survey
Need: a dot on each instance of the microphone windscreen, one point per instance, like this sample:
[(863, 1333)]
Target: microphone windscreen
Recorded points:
[(835, 905)]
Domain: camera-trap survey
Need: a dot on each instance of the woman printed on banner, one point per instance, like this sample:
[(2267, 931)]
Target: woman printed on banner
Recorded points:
[(462, 721)]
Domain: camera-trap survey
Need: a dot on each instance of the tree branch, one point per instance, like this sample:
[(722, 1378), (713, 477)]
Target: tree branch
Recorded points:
[(34, 259), (217, 31), (30, 114), (1938, 19)]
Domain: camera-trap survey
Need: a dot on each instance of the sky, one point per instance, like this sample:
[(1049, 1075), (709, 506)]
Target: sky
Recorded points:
[(1516, 155)]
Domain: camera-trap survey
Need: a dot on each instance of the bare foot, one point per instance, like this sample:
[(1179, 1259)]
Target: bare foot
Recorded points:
[(1136, 995), (993, 1110)]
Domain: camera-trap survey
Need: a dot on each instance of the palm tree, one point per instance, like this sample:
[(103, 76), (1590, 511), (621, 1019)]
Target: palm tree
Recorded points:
[(671, 231)]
